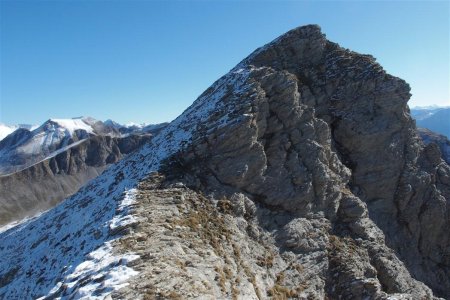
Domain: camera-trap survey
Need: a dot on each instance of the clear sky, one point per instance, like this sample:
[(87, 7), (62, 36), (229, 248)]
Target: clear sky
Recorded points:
[(146, 61)]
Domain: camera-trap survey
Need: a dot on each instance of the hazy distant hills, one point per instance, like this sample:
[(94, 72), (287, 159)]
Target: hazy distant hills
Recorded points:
[(436, 119)]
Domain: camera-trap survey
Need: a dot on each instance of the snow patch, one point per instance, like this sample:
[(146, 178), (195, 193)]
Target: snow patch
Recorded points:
[(106, 272), (124, 219)]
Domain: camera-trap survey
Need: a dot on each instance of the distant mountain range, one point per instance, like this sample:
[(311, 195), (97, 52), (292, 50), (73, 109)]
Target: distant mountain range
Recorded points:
[(40, 166), (26, 145), (5, 130), (434, 118)]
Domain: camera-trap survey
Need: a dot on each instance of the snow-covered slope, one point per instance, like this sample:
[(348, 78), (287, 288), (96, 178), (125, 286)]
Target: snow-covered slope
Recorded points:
[(79, 232), (71, 125)]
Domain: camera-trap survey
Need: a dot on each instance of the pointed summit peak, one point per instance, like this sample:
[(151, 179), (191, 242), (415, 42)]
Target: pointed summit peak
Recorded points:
[(303, 45), (70, 125)]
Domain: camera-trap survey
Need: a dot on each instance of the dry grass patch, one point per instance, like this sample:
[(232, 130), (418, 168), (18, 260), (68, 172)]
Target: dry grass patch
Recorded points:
[(266, 260)]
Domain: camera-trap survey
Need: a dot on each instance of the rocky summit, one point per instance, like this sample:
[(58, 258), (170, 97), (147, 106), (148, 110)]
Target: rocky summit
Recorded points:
[(299, 174)]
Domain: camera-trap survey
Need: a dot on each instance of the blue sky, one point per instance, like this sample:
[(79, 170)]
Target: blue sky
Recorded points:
[(146, 61)]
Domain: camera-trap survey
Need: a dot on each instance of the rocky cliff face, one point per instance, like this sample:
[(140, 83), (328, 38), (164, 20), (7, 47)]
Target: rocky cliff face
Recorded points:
[(442, 141), (322, 133), (299, 174), (43, 185)]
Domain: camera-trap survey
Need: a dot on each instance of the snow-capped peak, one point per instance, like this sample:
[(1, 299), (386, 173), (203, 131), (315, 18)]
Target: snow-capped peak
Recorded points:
[(74, 124), (23, 148)]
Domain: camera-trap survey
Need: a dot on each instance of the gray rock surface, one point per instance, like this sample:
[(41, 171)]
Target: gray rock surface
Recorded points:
[(324, 133), (442, 141)]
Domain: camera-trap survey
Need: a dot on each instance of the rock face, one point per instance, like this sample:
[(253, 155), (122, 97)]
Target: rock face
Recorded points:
[(325, 134), (48, 182), (299, 174), (442, 141)]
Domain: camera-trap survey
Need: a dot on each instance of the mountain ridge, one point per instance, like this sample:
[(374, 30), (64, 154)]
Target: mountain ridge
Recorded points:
[(305, 149)]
